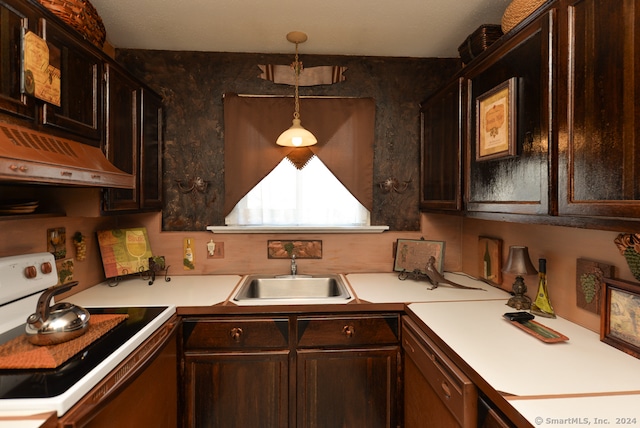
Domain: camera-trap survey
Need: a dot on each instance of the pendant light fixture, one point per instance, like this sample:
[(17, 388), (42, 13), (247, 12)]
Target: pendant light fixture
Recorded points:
[(296, 136)]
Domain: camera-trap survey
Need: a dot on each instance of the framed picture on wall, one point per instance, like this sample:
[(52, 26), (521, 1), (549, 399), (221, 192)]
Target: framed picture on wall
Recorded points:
[(618, 324), (490, 258), (496, 122), (412, 255)]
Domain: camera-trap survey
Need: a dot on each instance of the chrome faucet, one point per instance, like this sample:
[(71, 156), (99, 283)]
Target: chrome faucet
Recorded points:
[(294, 266)]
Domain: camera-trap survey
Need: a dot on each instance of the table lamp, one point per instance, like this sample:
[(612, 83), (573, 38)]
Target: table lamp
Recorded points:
[(519, 264)]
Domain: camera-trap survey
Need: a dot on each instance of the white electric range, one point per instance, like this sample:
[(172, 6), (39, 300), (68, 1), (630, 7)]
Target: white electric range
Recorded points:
[(22, 280)]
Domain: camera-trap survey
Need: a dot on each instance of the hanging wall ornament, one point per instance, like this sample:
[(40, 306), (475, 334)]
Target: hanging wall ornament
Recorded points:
[(311, 76)]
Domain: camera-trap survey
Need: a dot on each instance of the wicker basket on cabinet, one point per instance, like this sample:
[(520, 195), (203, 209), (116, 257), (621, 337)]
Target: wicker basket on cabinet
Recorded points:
[(80, 15), (517, 11)]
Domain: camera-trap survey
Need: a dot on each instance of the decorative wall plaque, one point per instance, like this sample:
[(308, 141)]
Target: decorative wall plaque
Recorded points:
[(590, 279), (41, 69), (412, 255)]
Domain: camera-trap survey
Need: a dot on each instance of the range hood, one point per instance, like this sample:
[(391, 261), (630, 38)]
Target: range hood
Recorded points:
[(35, 157)]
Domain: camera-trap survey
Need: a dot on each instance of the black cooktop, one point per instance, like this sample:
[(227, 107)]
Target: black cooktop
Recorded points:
[(50, 383)]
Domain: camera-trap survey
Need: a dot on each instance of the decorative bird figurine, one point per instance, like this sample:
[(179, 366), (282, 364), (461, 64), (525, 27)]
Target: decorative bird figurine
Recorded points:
[(436, 277)]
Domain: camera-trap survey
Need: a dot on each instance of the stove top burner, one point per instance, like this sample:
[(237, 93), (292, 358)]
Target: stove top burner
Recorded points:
[(50, 383)]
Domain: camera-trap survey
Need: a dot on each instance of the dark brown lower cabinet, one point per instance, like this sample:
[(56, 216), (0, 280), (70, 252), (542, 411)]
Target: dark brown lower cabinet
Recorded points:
[(437, 394), (347, 388), (236, 372), (291, 371), (490, 417), (238, 390)]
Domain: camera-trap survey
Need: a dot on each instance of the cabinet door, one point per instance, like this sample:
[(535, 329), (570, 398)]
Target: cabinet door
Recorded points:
[(441, 120), (516, 180), (419, 397), (14, 17), (80, 110), (237, 389), (599, 130), (347, 388), (236, 372), (122, 141), (151, 151)]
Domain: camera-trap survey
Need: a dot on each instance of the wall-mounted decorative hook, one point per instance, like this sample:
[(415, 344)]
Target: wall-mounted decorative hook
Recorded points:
[(197, 184), (393, 184)]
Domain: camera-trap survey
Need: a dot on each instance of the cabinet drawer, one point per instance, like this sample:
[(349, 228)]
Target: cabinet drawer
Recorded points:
[(242, 333), (454, 388), (348, 331)]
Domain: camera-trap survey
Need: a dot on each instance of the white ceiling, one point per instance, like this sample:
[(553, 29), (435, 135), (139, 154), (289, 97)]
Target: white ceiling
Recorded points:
[(401, 28)]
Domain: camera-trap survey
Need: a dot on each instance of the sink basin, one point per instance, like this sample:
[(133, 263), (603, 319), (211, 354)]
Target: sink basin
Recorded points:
[(261, 289)]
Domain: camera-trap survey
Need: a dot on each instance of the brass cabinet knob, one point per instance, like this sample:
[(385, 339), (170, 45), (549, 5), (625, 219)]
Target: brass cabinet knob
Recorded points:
[(348, 330), (236, 333)]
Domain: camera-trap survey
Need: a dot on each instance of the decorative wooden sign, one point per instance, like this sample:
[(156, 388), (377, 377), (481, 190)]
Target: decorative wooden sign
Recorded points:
[(284, 74), (41, 69), (302, 249)]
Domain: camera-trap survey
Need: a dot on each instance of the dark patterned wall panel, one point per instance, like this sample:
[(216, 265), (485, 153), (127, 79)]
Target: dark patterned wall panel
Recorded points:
[(193, 83)]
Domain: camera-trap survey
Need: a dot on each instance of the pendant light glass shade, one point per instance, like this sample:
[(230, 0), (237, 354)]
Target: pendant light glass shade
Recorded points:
[(296, 135)]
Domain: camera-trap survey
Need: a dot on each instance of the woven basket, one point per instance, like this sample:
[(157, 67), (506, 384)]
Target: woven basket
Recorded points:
[(80, 15), (479, 41), (517, 11)]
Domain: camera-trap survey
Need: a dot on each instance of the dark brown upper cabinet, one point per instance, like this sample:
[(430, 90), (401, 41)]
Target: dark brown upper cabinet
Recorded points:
[(441, 145), (151, 145), (15, 18), (133, 141), (599, 109), (517, 179), (80, 110), (122, 106)]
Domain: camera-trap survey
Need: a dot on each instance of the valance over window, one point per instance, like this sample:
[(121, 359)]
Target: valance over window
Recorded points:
[(344, 128)]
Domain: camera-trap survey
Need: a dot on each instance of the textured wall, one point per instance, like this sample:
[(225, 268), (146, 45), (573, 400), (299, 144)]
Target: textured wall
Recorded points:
[(193, 83)]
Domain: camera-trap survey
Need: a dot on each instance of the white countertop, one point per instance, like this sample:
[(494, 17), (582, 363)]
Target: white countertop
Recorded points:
[(387, 288), (608, 411), (185, 290), (502, 353), (471, 323)]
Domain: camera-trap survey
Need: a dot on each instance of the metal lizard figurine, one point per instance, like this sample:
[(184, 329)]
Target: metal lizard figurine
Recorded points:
[(436, 277)]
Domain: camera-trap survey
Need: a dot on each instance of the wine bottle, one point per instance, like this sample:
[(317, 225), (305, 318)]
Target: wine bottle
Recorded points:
[(188, 252), (487, 262), (542, 305)]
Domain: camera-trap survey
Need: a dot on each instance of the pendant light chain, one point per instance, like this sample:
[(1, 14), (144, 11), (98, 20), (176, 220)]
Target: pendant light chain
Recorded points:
[(297, 67), (296, 135)]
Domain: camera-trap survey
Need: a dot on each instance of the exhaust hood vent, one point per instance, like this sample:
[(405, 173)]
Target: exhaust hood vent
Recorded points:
[(35, 157)]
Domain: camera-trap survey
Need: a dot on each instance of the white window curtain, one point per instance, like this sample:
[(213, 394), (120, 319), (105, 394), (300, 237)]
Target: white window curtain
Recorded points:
[(312, 196)]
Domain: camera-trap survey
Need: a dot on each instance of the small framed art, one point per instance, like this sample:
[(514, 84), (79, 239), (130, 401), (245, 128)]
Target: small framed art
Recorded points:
[(618, 324), (412, 255), (496, 122), (490, 258)]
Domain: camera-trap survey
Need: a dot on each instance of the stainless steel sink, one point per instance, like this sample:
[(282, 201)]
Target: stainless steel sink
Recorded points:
[(263, 289)]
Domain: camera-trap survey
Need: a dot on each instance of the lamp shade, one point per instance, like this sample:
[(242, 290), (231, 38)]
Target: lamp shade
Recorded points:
[(519, 262), (296, 136)]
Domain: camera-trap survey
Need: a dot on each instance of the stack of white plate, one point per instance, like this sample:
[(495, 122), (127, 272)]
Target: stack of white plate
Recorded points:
[(18, 206)]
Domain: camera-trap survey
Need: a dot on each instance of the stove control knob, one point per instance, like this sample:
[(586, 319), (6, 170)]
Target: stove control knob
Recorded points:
[(46, 268), (30, 272)]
